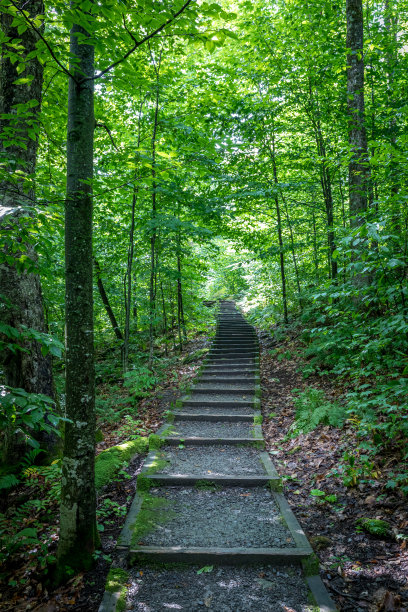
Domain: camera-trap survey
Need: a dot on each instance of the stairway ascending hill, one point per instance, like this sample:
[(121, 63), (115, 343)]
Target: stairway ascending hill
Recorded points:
[(209, 496)]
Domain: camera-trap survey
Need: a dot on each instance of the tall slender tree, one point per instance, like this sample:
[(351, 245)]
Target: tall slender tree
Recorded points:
[(358, 166), (78, 532)]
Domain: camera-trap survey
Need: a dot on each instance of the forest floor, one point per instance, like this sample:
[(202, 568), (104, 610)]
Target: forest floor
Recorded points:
[(361, 572)]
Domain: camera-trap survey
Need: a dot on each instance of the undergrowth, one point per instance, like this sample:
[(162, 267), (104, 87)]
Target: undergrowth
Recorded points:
[(313, 409)]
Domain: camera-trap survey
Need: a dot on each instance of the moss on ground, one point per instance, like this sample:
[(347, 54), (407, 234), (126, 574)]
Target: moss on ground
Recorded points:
[(110, 461), (376, 527)]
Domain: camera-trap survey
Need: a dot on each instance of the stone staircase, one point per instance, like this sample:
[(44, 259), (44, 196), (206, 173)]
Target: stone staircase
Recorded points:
[(209, 494)]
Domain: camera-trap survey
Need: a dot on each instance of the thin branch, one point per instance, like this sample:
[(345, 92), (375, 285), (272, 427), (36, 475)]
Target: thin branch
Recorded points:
[(39, 34), (103, 125), (137, 43)]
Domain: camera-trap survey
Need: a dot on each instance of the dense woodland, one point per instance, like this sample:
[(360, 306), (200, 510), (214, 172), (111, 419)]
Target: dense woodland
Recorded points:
[(255, 151)]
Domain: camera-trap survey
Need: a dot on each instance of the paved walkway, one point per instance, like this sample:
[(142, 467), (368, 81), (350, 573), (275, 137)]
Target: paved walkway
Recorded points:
[(209, 496)]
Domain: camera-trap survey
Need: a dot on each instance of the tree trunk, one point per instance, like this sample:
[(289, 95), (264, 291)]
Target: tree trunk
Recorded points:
[(152, 293), (358, 165), (164, 319), (280, 239), (325, 177), (182, 321), (20, 290), (78, 533), (106, 302)]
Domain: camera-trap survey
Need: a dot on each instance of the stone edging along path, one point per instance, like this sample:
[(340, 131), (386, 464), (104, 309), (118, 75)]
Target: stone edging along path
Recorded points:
[(209, 495)]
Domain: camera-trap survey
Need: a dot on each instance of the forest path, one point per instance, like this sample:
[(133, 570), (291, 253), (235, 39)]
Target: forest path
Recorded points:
[(209, 497)]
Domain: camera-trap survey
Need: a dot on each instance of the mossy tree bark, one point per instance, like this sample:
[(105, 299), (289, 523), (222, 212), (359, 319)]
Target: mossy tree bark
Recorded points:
[(20, 290), (78, 533)]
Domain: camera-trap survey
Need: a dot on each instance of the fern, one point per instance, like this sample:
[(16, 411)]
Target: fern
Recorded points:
[(312, 409), (8, 481)]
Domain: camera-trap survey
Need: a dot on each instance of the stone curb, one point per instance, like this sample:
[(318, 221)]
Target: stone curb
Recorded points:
[(319, 592), (109, 601)]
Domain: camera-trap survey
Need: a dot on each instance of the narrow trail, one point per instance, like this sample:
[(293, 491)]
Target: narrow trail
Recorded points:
[(209, 527)]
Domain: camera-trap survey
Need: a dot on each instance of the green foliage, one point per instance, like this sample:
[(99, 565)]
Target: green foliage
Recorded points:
[(47, 478), (26, 413), (139, 381), (132, 428), (356, 468), (312, 409), (15, 536), (322, 497), (16, 340)]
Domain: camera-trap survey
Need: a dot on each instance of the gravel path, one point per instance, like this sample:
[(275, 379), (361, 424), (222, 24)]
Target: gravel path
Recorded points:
[(223, 589), (212, 460), (208, 429), (230, 517)]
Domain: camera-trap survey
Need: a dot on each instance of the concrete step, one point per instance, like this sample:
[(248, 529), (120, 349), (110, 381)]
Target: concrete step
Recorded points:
[(228, 371), (189, 429), (233, 378), (220, 347), (227, 525), (218, 403), (215, 416), (229, 358), (225, 388)]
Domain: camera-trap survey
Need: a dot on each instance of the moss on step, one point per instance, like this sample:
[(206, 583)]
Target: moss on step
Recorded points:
[(153, 510), (207, 485), (110, 461), (155, 442), (311, 565), (145, 484), (116, 583), (258, 419)]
